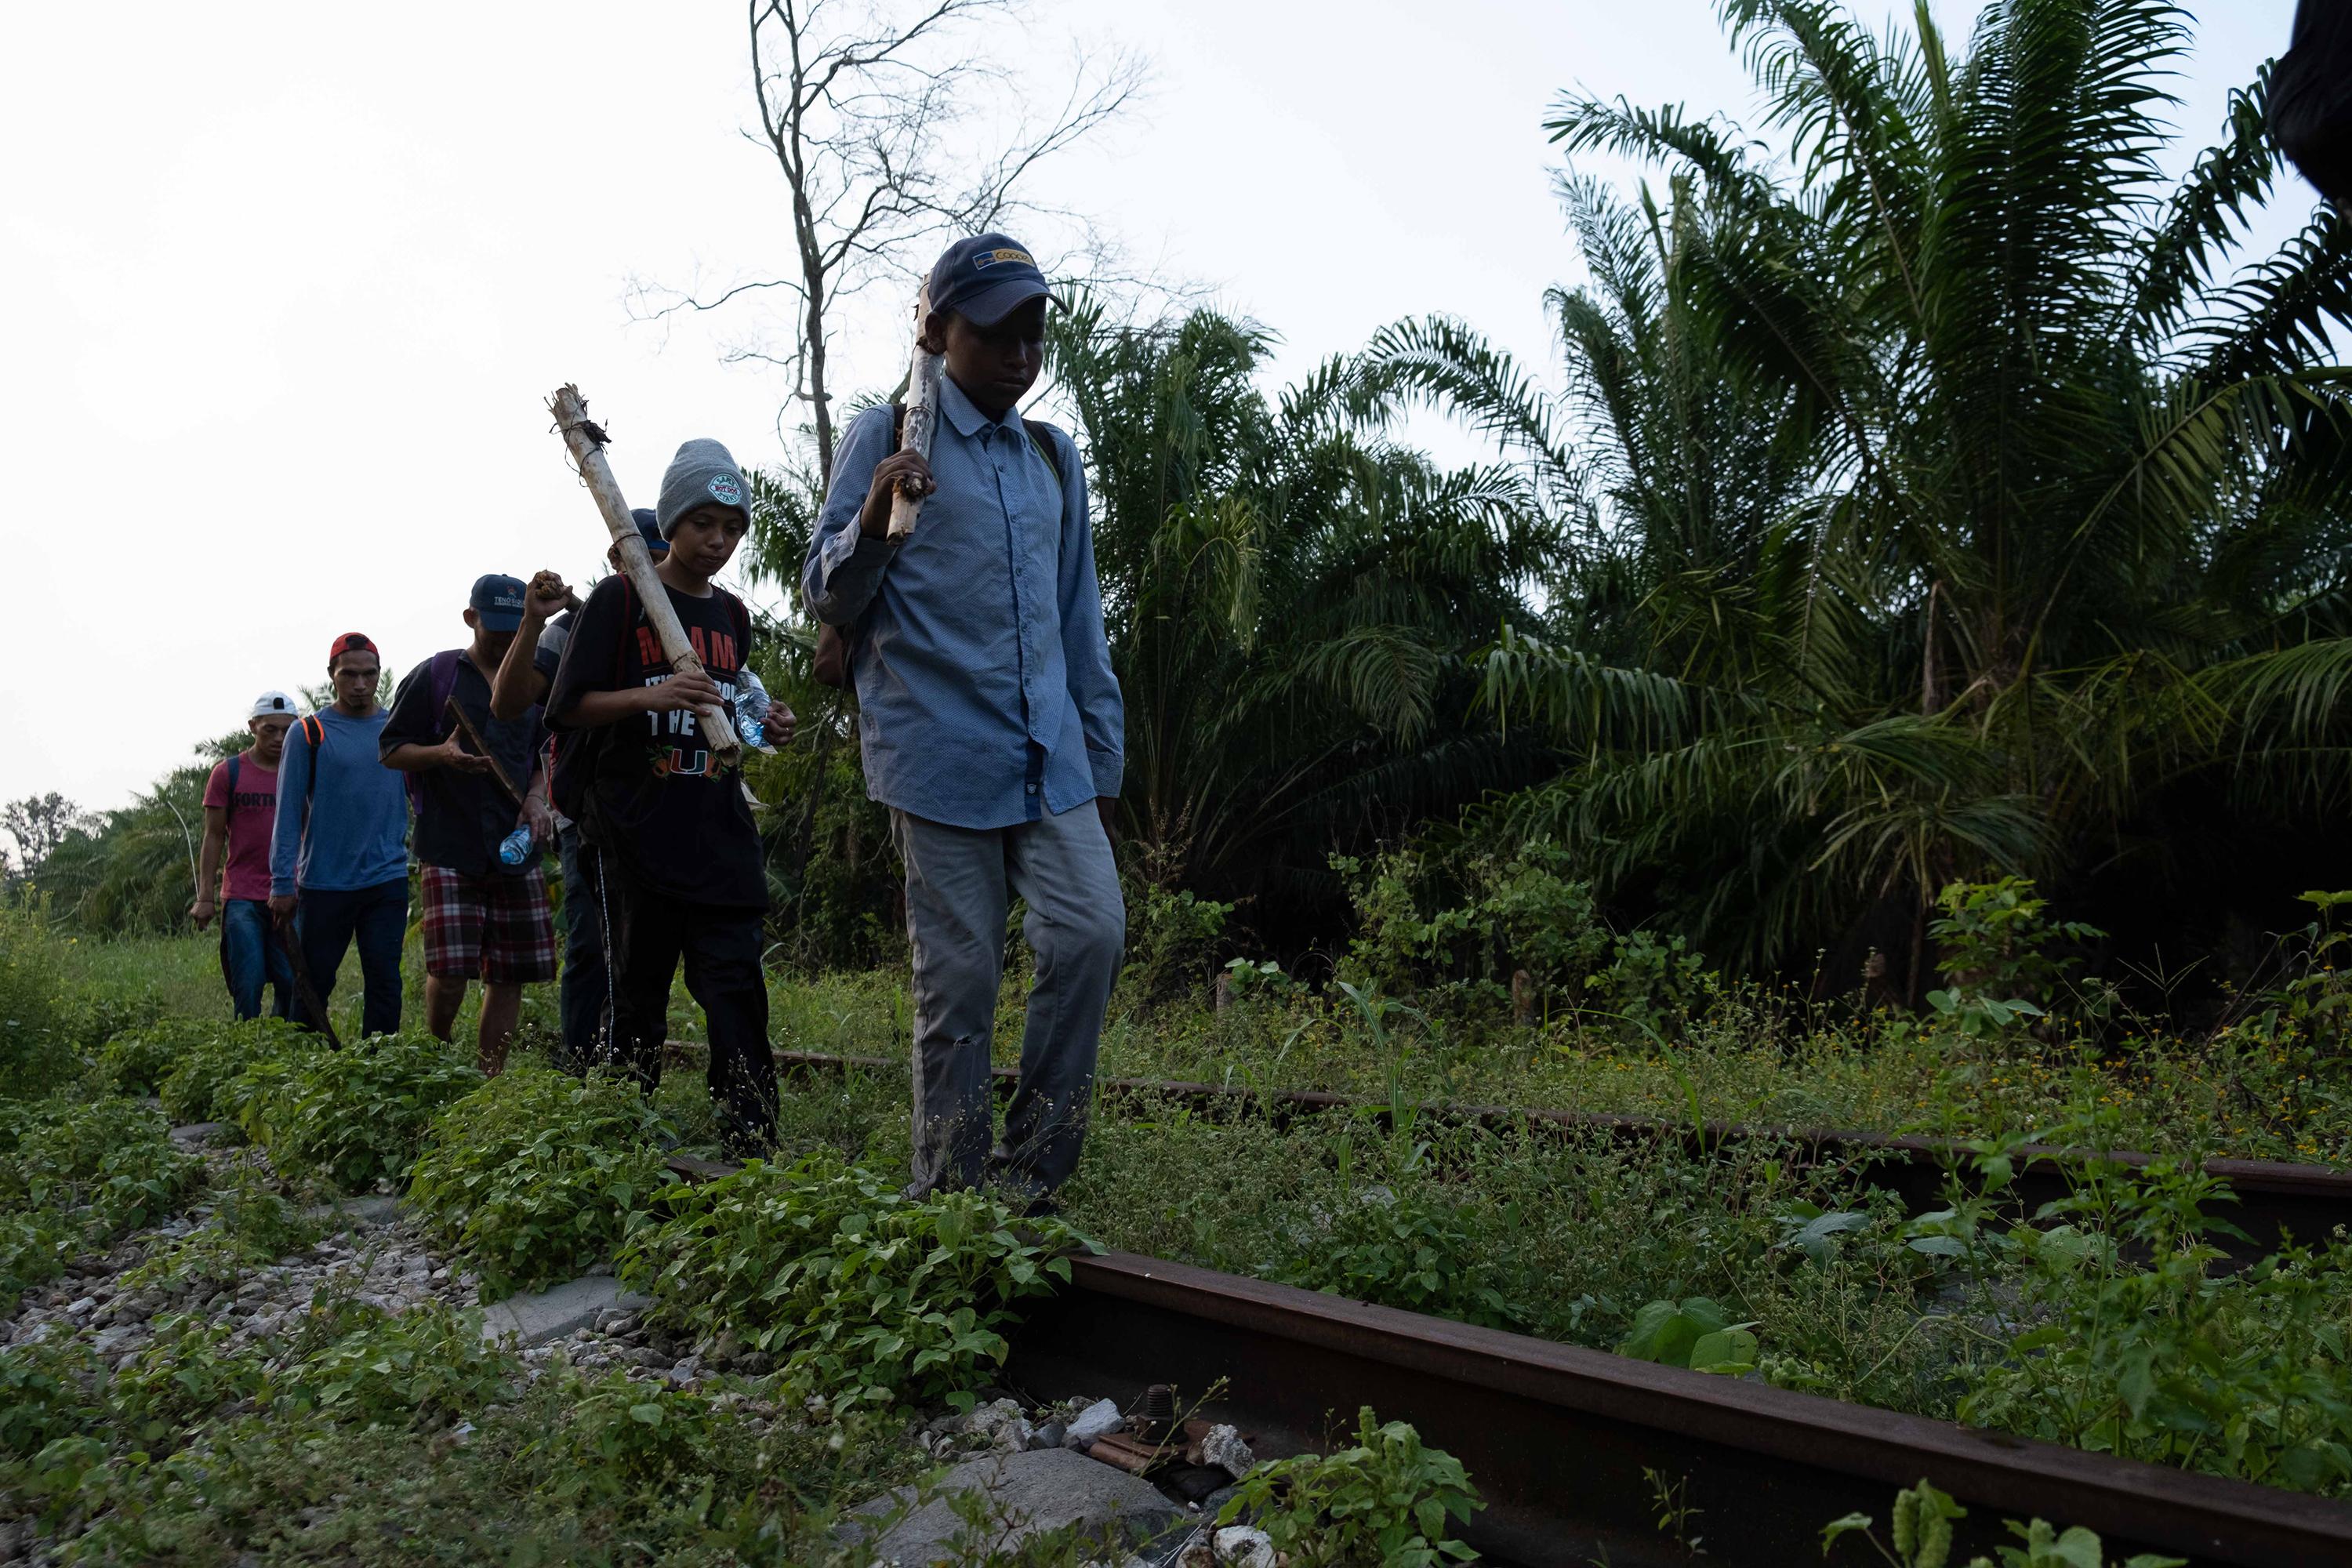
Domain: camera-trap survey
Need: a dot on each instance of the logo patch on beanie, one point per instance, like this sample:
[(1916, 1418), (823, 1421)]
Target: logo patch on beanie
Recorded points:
[(725, 490)]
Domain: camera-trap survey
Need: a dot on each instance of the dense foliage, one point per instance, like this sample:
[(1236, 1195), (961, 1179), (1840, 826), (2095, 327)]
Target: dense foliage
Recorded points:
[(531, 1178), (352, 1117), (857, 1291)]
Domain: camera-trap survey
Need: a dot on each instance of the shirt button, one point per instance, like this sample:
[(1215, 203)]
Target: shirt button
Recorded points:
[(1033, 789)]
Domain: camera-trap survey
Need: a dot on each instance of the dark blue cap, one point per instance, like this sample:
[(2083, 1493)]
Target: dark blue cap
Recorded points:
[(983, 278), (497, 600), (649, 530)]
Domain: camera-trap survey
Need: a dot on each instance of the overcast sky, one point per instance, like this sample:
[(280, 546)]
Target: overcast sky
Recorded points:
[(285, 285)]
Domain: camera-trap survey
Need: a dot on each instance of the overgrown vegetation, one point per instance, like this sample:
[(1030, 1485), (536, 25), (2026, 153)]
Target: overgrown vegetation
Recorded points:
[(862, 1296), (352, 1117), (533, 1176), (1921, 608)]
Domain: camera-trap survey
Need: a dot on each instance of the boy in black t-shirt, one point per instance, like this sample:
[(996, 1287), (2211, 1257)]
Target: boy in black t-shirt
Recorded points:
[(673, 846)]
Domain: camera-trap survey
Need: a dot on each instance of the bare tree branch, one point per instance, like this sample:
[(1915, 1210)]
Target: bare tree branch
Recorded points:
[(868, 107)]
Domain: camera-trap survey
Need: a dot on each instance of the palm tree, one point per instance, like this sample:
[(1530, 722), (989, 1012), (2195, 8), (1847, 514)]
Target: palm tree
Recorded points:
[(1292, 601), (1952, 495)]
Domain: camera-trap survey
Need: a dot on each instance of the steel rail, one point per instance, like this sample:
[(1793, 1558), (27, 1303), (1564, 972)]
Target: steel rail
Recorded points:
[(2275, 1200), (1571, 1446)]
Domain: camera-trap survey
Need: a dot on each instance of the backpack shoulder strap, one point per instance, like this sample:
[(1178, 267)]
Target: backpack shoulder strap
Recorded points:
[(230, 811), (314, 732), (1048, 442), (445, 680)]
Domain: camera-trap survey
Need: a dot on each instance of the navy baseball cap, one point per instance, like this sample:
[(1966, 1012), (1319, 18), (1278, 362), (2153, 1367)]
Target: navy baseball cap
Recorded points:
[(497, 600), (649, 530), (984, 279)]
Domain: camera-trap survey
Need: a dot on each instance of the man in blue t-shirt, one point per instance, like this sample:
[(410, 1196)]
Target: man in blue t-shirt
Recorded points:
[(339, 858)]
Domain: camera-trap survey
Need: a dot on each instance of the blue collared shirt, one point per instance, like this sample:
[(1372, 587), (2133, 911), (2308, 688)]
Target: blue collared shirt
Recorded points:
[(985, 694)]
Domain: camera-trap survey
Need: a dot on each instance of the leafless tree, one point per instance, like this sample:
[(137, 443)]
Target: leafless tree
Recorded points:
[(895, 128)]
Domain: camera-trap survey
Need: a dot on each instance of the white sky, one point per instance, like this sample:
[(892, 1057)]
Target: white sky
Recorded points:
[(282, 287)]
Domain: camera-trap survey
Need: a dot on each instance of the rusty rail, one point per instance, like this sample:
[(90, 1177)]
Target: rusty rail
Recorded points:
[(2274, 1199), (1564, 1442)]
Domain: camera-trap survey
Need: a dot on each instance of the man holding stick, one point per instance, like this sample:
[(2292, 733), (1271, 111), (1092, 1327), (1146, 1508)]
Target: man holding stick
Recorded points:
[(339, 856), (991, 721), (476, 779), (674, 855)]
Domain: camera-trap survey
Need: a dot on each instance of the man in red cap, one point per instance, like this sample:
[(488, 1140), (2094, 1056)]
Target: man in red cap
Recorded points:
[(339, 858)]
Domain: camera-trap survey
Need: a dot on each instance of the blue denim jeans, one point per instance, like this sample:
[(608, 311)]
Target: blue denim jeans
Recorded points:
[(378, 917), (251, 956)]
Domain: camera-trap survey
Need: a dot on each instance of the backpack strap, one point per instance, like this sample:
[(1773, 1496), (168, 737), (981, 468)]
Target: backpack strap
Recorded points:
[(233, 770), (1048, 440), (315, 733), (445, 678)]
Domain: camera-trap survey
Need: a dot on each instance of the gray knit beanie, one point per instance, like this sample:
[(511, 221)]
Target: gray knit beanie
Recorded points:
[(702, 472)]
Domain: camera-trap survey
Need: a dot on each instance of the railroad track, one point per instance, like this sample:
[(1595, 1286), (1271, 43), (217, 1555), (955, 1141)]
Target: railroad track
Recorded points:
[(1570, 1447), (1573, 1448), (2274, 1199)]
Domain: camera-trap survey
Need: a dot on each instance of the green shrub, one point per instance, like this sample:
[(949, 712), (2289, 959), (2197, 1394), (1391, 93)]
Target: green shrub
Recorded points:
[(136, 1059), (34, 1249), (48, 1389), (1470, 919), (1172, 937), (352, 1117), (1408, 1243), (533, 1176), (865, 1294), (194, 1086), (108, 1164), (359, 1364), (621, 1440), (182, 1377), (2133, 1344), (1388, 1501)]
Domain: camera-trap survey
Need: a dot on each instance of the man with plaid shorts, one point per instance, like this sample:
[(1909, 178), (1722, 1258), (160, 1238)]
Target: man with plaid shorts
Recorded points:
[(475, 779)]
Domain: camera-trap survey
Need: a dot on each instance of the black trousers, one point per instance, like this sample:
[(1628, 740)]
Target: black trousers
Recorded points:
[(327, 922), (721, 947)]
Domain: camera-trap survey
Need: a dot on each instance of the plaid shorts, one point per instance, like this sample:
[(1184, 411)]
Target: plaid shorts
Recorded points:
[(496, 929)]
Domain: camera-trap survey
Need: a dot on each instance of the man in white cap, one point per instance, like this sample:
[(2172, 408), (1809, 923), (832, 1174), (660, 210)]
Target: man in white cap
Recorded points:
[(240, 809)]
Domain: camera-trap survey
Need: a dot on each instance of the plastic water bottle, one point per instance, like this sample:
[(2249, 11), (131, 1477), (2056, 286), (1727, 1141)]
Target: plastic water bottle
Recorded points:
[(748, 726), (516, 846)]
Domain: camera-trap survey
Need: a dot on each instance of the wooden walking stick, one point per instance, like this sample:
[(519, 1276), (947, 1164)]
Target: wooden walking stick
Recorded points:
[(923, 412), (585, 442), (306, 995), (498, 774)]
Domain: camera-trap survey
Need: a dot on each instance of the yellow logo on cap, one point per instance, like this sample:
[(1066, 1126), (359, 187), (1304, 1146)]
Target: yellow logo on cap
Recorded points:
[(991, 257)]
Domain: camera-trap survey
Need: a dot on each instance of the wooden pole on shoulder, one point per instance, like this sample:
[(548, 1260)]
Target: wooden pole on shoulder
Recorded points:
[(922, 414), (585, 442)]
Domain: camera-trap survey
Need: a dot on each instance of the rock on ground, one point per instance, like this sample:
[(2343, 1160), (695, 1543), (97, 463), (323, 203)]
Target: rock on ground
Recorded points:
[(1030, 1493)]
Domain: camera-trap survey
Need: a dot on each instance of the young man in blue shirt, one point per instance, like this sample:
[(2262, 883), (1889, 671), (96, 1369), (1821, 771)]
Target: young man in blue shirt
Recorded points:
[(338, 857), (991, 724)]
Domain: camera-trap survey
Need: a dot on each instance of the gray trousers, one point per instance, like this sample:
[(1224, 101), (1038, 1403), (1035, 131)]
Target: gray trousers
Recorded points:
[(960, 884)]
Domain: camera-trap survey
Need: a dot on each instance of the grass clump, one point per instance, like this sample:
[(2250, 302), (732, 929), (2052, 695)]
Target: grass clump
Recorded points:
[(353, 1117), (867, 1295), (534, 1175)]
